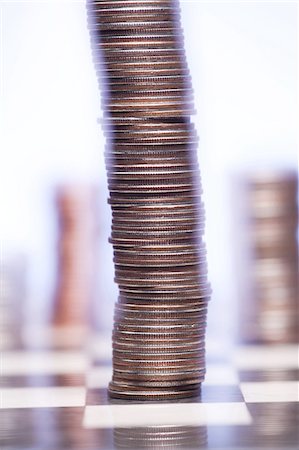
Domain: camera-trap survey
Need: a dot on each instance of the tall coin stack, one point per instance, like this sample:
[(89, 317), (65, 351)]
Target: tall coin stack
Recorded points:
[(155, 197)]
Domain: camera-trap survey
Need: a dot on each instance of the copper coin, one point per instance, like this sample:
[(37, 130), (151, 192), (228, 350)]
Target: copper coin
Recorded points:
[(105, 5), (162, 354), (160, 251), (159, 347), (136, 223), (157, 365), (170, 63), (147, 132), (157, 112), (154, 384), (163, 374), (165, 137), (160, 309), (175, 212), (178, 298), (161, 287), (158, 319), (120, 23), (177, 273), (168, 189), (153, 354), (156, 339)]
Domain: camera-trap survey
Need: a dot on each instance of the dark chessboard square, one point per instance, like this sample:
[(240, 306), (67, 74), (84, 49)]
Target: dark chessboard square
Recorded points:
[(269, 375), (274, 424), (240, 437), (47, 428), (98, 362), (97, 397), (276, 415), (219, 394)]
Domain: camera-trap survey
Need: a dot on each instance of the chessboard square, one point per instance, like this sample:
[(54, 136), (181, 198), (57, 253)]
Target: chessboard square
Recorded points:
[(98, 377), (48, 362), (276, 391), (100, 347), (221, 374), (260, 357), (42, 380), (269, 375), (166, 414), (45, 397), (221, 393), (275, 424), (46, 428), (98, 396), (62, 337), (217, 352)]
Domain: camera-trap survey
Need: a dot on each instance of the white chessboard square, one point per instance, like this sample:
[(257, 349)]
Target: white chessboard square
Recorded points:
[(221, 374), (46, 363), (44, 397), (166, 414), (100, 347), (270, 391), (263, 357), (98, 377)]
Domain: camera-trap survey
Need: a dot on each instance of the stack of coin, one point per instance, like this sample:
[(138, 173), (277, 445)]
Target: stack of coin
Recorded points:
[(273, 216), (161, 436), (155, 197), (75, 254), (13, 270)]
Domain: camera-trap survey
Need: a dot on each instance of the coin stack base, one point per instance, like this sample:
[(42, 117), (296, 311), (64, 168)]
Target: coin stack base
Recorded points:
[(155, 198)]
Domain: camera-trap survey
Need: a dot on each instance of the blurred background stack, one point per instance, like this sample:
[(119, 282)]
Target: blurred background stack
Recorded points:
[(13, 297), (270, 312), (73, 302), (76, 255)]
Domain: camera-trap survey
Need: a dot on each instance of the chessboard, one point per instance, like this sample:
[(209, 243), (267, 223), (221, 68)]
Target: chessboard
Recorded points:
[(54, 396)]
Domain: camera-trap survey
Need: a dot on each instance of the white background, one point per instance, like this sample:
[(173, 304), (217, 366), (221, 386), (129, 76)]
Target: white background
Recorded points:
[(243, 61)]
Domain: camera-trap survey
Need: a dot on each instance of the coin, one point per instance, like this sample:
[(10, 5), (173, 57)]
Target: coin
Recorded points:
[(182, 298), (171, 351)]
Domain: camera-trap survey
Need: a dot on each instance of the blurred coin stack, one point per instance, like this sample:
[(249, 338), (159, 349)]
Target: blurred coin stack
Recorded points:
[(155, 197), (13, 299), (75, 253), (273, 219)]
